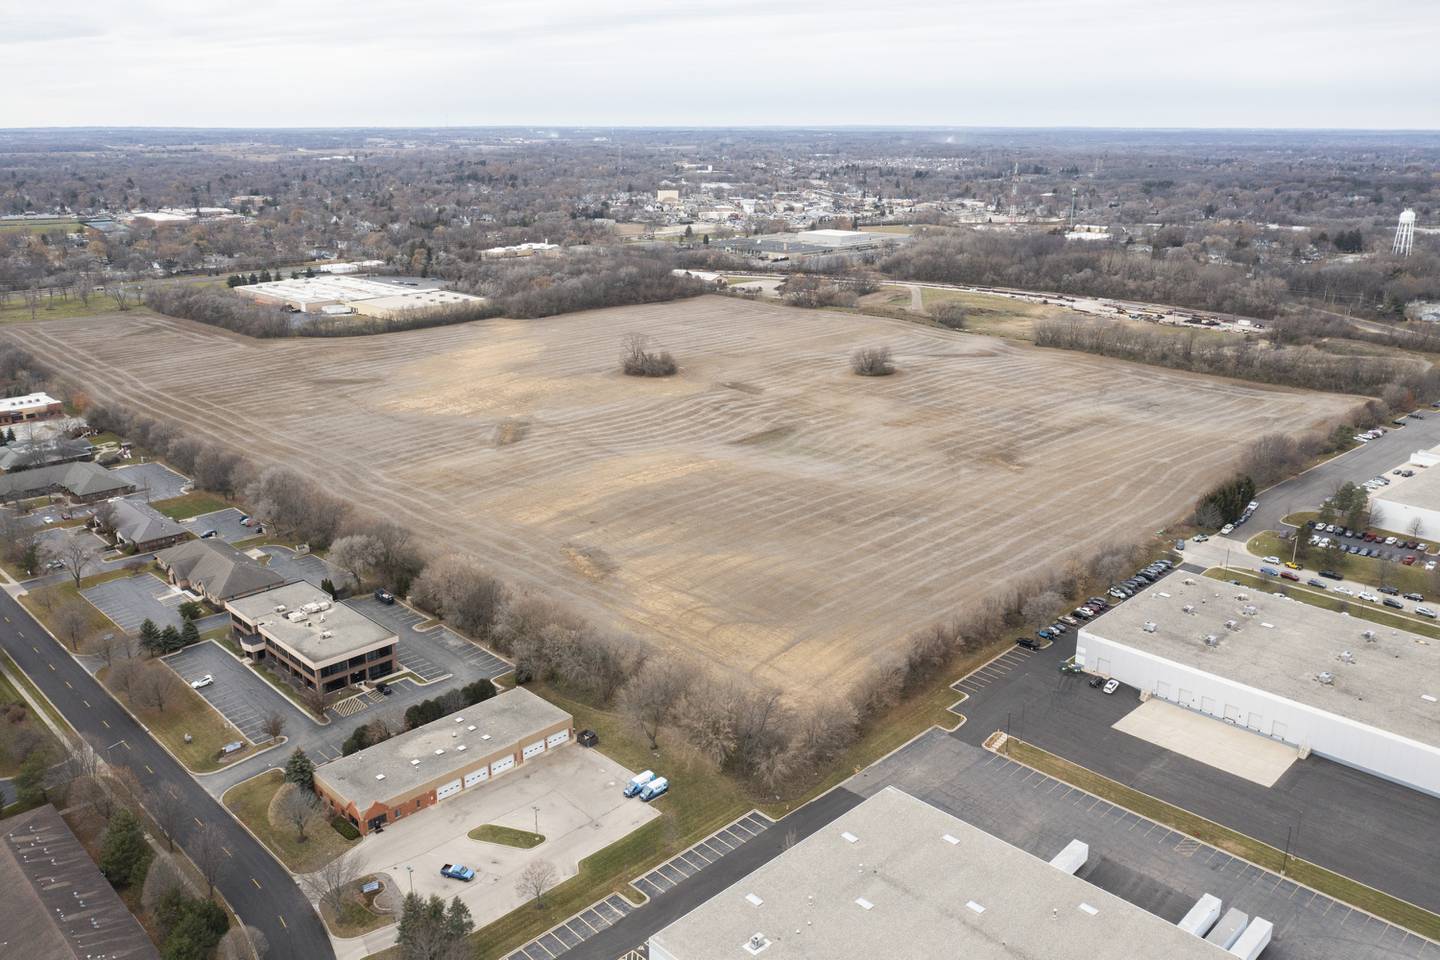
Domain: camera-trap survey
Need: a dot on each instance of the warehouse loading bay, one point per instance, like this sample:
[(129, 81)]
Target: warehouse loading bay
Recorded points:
[(1149, 865), (1371, 830)]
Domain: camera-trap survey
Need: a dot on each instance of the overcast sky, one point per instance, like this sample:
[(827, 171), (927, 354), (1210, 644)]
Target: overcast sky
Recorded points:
[(1217, 63)]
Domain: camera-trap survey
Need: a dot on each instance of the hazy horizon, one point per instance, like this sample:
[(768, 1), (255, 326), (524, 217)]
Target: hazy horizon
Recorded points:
[(1026, 64)]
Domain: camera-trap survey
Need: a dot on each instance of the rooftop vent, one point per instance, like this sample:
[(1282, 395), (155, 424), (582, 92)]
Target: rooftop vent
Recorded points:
[(1149, 626), (379, 776), (754, 900), (414, 763), (471, 728), (756, 943), (1428, 698), (975, 906), (864, 904), (280, 608), (949, 839), (439, 751), (1089, 909), (1249, 610), (461, 747), (326, 634), (1369, 635), (484, 736), (849, 837), (1326, 678), (1346, 656), (461, 720)]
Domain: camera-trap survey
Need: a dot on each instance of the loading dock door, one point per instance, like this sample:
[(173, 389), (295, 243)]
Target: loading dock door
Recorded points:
[(448, 790), (1187, 699), (1278, 731), (1232, 713), (477, 776), (535, 748), (1162, 690), (1255, 721), (1102, 666), (500, 766), (555, 739), (1207, 705)]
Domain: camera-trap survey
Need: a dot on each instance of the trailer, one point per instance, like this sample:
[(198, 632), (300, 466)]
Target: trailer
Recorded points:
[(1072, 858), (1202, 916), (1254, 940), (1228, 930)]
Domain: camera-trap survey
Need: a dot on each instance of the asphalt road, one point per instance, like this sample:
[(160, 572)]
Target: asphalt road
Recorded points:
[(259, 890), (1379, 456)]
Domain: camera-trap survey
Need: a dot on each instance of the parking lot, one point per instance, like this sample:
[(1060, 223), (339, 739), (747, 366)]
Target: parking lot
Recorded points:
[(225, 523), (153, 481), (1153, 867), (241, 697), (434, 653), (300, 566), (1422, 551), (133, 600)]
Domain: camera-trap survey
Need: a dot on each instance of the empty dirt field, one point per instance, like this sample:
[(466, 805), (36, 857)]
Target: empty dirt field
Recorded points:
[(765, 509)]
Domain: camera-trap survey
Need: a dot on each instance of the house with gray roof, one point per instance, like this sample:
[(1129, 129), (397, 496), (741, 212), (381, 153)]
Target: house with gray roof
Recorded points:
[(145, 528), (215, 570), (84, 482), (30, 454)]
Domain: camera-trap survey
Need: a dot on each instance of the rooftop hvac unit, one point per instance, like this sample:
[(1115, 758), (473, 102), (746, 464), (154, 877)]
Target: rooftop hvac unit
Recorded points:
[(1369, 635), (311, 608), (414, 763), (1189, 581), (1326, 678), (1188, 608), (295, 616), (1232, 624), (1211, 640), (1149, 626), (1242, 597), (280, 608), (1346, 656), (326, 634), (1249, 610), (324, 604)]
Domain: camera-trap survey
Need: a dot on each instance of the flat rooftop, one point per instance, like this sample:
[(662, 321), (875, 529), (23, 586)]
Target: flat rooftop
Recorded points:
[(494, 724), (896, 877), (348, 629), (27, 401), (322, 289), (57, 905), (1283, 647), (1421, 490)]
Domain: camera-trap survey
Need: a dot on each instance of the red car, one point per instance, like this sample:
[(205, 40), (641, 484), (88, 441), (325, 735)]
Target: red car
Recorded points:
[(1409, 560), (1289, 575)]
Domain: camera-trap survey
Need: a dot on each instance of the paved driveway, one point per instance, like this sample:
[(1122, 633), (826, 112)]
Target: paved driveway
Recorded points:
[(225, 523), (301, 566), (242, 697), (154, 479), (1153, 867), (133, 600), (434, 653)]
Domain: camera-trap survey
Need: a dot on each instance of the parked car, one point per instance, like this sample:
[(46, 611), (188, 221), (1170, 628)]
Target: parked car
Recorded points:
[(1392, 602), (1250, 507), (1272, 560), (1418, 598), (1071, 620), (654, 789), (588, 738), (1366, 595), (1057, 627), (1408, 560), (637, 783), (457, 871), (1293, 565), (1331, 575), (1425, 612), (1390, 591), (1111, 686), (204, 681), (1070, 666), (1270, 571), (1290, 575), (1082, 613), (1200, 538), (1228, 528), (1317, 583), (385, 597), (209, 533), (1345, 590), (384, 689)]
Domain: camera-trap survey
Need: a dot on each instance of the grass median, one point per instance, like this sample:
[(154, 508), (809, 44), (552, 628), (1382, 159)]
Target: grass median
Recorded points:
[(1328, 882), (191, 505), (507, 836), (252, 802), (1367, 570)]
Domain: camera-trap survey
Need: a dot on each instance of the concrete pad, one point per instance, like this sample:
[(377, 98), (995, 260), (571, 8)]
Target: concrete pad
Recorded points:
[(1209, 741), (580, 812)]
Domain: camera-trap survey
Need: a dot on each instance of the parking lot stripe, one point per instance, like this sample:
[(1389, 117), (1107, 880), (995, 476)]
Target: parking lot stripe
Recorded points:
[(552, 947), (679, 874), (648, 888), (620, 905), (593, 920), (536, 952)]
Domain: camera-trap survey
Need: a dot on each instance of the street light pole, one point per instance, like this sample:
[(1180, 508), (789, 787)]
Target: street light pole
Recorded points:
[(537, 820), (411, 871)]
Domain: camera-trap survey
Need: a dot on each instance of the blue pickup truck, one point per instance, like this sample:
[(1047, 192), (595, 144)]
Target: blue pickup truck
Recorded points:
[(457, 871)]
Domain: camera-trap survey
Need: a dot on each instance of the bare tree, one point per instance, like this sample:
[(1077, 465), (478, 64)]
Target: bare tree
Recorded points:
[(1385, 570), (653, 695), (243, 943), (273, 725), (70, 621), (534, 880), (121, 294), (108, 646), (328, 884), (358, 555), (168, 811), (872, 362), (950, 314), (31, 296), (77, 552), (206, 848), (638, 360), (1041, 606), (156, 687), (298, 807), (1416, 526)]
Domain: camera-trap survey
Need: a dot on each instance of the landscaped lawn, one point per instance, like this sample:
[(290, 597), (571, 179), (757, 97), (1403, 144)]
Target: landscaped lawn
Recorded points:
[(356, 914), (250, 801), (186, 713), (9, 763), (508, 836), (191, 505), (44, 601)]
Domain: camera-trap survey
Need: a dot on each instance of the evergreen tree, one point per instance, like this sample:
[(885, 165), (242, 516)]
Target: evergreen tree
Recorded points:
[(169, 639), (300, 769), (30, 782), (254, 279), (10, 435), (189, 634), (150, 638), (124, 854), (328, 586), (30, 559)]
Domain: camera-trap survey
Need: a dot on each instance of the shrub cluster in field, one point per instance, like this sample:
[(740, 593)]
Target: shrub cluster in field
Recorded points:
[(872, 362), (638, 360)]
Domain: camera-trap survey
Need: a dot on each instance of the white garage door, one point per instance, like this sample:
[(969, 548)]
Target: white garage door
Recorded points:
[(478, 776), (1102, 666), (1187, 698), (555, 739), (537, 747), (1255, 721), (1162, 689), (500, 766), (1232, 713), (449, 790), (1207, 705)]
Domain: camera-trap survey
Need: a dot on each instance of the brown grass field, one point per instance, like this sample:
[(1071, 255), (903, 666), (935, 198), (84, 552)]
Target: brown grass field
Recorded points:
[(764, 510)]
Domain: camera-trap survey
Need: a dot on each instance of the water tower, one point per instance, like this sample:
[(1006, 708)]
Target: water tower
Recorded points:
[(1404, 234)]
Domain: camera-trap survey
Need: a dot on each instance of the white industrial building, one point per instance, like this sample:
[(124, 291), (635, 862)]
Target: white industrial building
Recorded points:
[(1326, 683), (332, 294), (1410, 499), (898, 878)]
